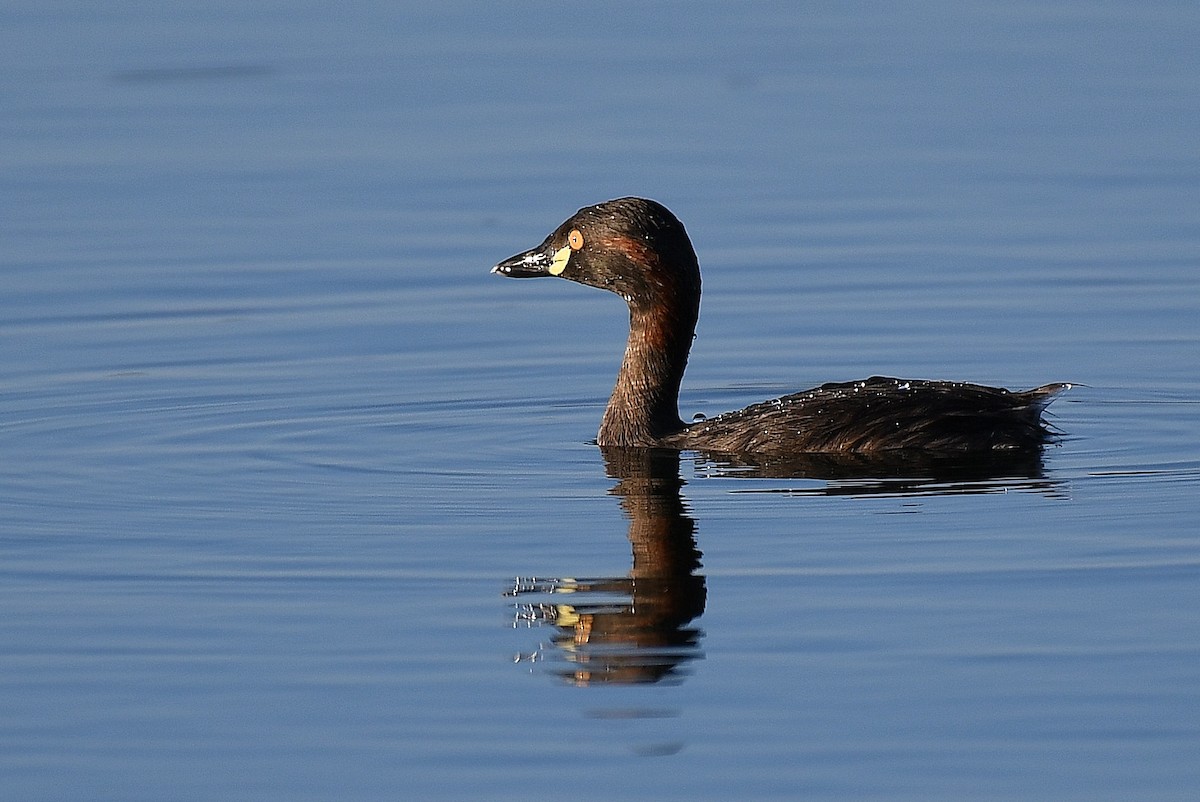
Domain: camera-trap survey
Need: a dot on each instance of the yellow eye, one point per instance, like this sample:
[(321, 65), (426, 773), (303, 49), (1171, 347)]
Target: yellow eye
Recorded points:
[(575, 239)]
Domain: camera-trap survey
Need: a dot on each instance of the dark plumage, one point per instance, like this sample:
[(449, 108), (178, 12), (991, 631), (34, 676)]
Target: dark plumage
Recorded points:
[(637, 249)]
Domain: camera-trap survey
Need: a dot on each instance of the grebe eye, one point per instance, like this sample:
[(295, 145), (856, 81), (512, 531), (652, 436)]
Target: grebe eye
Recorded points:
[(575, 239)]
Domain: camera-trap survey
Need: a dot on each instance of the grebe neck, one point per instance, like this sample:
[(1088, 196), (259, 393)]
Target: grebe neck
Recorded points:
[(644, 406)]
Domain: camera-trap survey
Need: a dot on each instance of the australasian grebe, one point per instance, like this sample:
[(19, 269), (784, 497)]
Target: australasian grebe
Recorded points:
[(638, 249)]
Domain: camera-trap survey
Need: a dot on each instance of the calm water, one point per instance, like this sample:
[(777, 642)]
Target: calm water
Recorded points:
[(297, 501)]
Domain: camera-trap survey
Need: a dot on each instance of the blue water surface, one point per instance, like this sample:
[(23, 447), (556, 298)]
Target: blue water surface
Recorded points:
[(298, 501)]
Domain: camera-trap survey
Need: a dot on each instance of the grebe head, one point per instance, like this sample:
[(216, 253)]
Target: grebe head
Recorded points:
[(633, 247)]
